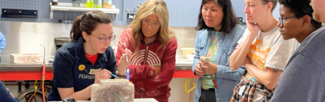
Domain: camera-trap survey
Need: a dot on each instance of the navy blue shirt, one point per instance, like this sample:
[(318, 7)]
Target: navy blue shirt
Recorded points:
[(71, 68), (303, 80)]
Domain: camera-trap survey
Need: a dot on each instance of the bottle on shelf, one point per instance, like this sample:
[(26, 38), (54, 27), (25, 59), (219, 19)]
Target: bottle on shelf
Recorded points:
[(107, 4), (76, 3), (88, 4), (99, 4), (91, 3)]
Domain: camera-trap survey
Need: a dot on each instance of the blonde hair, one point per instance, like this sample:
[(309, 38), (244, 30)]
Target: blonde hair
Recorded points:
[(149, 7)]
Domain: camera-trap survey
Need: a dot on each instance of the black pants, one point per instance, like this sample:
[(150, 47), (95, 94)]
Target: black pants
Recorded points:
[(208, 95)]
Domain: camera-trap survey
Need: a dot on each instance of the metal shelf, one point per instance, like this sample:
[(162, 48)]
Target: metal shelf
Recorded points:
[(82, 9)]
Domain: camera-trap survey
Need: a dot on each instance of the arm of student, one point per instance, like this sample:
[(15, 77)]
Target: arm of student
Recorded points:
[(167, 69), (197, 52), (80, 95), (227, 73), (83, 94), (111, 64), (138, 73), (268, 78), (123, 44), (222, 71), (63, 76), (5, 95), (275, 63), (238, 57)]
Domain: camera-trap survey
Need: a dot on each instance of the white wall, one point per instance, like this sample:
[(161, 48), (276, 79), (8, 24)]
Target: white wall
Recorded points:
[(276, 11)]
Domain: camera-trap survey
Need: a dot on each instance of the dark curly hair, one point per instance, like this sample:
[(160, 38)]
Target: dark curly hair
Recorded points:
[(301, 8)]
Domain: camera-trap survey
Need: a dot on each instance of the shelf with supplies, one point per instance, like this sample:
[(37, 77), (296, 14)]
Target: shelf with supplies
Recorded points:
[(83, 9)]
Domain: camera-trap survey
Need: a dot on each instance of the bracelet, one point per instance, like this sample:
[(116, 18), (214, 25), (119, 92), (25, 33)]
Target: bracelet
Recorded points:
[(121, 76)]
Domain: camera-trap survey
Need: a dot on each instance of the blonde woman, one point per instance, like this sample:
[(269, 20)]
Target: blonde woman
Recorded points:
[(151, 47)]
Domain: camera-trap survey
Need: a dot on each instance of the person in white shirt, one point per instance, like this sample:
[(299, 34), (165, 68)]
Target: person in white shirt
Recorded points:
[(262, 51)]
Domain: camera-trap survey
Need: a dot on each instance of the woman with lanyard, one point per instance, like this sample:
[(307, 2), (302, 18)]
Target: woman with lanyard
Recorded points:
[(262, 51), (85, 60), (154, 47), (219, 31)]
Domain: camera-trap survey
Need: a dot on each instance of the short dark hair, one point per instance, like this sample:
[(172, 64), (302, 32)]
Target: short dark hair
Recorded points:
[(229, 20), (301, 8), (88, 22), (274, 2)]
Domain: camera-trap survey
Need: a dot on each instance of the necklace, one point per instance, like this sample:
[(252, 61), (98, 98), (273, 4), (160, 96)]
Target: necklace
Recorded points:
[(154, 36)]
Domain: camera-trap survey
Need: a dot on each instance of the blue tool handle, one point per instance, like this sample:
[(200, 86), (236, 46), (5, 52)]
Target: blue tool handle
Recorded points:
[(113, 75)]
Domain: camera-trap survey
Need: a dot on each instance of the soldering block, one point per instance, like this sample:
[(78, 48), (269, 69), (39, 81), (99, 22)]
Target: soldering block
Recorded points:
[(105, 91)]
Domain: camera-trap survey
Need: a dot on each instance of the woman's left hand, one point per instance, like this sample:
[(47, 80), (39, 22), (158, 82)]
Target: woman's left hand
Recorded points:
[(210, 68)]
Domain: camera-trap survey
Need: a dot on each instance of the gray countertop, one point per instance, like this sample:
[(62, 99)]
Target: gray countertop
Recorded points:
[(182, 63), (24, 67), (5, 65)]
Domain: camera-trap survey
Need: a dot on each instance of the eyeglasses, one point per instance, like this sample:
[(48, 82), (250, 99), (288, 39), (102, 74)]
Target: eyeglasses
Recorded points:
[(153, 24), (103, 40), (285, 18)]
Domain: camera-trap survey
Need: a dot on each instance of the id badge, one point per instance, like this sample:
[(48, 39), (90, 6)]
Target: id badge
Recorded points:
[(241, 90), (94, 71)]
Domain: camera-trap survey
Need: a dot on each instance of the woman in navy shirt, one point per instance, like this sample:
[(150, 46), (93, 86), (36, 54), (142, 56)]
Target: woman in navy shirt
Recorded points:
[(85, 60)]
